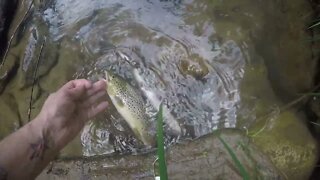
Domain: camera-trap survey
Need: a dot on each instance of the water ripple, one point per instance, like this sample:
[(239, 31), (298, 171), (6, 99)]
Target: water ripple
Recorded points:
[(159, 49)]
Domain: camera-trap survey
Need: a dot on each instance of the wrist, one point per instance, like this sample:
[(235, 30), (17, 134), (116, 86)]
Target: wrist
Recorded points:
[(41, 130)]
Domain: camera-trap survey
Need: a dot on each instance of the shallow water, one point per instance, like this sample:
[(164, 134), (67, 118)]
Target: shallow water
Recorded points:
[(196, 76), (184, 70), (191, 55)]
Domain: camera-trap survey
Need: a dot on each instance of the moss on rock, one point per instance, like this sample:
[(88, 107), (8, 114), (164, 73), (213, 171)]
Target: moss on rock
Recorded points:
[(288, 143)]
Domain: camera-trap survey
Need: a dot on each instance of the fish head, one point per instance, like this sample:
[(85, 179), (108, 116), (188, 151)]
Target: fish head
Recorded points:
[(114, 82), (110, 76)]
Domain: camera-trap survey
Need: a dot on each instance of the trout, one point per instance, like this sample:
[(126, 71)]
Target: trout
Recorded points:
[(130, 106)]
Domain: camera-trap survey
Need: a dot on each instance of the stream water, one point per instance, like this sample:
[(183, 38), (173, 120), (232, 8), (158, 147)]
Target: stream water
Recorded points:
[(206, 60)]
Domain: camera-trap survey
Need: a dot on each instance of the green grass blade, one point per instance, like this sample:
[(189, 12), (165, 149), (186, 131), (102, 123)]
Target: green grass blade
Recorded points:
[(160, 143), (314, 123), (240, 167), (314, 25)]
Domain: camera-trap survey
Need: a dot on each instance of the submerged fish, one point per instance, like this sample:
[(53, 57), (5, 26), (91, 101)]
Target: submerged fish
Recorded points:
[(130, 105), (172, 122)]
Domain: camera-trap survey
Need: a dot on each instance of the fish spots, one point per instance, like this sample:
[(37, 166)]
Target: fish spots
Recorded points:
[(128, 97)]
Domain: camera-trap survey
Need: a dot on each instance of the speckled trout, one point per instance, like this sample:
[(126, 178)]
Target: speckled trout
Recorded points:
[(130, 106)]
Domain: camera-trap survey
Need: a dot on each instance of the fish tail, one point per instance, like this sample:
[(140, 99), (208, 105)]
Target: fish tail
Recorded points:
[(148, 139)]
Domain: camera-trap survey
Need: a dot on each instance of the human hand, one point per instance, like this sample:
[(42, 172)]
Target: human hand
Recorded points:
[(66, 111)]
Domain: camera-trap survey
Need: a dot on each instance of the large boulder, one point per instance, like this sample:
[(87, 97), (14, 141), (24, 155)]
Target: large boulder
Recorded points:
[(288, 143)]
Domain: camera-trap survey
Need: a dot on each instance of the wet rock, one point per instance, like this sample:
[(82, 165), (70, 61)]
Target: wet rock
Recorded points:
[(290, 52), (8, 71), (64, 67), (35, 51), (22, 97), (205, 158), (276, 129), (195, 67), (288, 143), (9, 115)]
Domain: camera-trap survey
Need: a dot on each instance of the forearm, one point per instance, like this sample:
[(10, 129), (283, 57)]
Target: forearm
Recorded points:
[(26, 152)]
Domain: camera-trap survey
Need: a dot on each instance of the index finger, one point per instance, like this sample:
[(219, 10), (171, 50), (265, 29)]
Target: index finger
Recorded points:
[(75, 89), (78, 82), (97, 86)]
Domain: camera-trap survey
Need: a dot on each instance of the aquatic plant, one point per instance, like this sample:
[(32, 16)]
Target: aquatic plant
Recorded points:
[(314, 123), (243, 172), (317, 23), (160, 145)]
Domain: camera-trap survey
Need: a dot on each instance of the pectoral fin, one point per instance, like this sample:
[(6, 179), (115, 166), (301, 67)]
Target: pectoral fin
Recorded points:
[(118, 101)]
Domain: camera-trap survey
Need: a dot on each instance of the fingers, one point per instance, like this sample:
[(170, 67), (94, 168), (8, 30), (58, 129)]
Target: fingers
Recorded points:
[(97, 86), (92, 105), (94, 94), (82, 88), (76, 83), (90, 101), (94, 110), (76, 88), (85, 96)]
